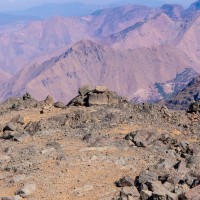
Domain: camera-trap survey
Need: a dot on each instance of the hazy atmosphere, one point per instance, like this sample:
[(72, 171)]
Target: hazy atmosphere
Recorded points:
[(22, 4)]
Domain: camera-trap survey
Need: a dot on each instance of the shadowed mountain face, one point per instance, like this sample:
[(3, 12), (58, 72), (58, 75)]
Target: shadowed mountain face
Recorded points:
[(164, 91), (133, 48), (185, 97)]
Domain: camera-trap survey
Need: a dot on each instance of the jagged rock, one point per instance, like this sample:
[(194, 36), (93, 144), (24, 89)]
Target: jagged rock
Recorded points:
[(16, 197), (9, 127), (101, 89), (26, 96), (26, 191), (59, 104), (84, 90), (125, 181), (159, 192), (146, 176)]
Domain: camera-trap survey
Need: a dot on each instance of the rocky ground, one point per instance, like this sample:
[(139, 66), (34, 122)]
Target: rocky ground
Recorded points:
[(99, 146)]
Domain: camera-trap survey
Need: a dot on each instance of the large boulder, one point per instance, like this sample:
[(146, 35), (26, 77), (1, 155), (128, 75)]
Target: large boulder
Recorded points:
[(96, 97)]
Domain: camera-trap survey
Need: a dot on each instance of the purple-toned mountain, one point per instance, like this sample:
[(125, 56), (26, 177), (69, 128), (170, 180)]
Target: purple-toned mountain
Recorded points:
[(87, 62), (133, 48)]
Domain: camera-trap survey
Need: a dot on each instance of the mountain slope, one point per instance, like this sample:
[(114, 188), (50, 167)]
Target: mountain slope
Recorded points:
[(159, 30), (183, 99), (21, 43), (109, 21), (90, 63), (159, 91)]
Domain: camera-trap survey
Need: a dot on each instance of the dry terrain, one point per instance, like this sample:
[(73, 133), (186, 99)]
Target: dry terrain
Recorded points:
[(79, 152)]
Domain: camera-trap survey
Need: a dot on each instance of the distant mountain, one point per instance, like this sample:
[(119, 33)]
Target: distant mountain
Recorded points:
[(164, 91), (6, 19), (59, 9), (172, 10), (87, 62), (112, 20)]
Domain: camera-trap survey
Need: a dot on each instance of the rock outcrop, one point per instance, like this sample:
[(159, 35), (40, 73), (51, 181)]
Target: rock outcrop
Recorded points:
[(98, 96)]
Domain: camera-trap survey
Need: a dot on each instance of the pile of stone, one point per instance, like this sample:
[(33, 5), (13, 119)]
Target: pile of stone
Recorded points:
[(175, 177)]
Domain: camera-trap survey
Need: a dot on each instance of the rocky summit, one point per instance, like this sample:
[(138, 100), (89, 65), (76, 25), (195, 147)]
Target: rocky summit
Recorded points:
[(97, 147)]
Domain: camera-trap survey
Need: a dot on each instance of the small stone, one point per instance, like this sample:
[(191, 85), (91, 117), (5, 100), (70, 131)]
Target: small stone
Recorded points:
[(27, 190)]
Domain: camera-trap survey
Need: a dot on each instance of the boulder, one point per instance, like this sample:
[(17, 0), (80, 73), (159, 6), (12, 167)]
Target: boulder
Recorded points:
[(27, 96), (84, 90), (146, 176), (125, 181)]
